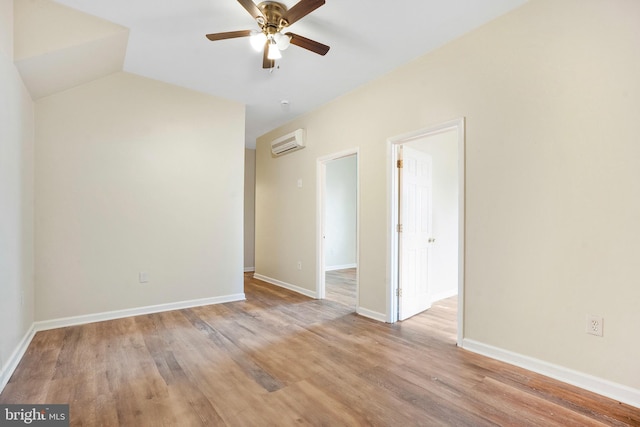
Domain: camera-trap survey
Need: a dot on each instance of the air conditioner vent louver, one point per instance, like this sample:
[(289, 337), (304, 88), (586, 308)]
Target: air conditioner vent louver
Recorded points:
[(288, 143)]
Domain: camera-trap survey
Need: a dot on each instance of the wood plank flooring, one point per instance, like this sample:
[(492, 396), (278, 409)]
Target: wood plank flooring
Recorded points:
[(281, 359), (341, 286)]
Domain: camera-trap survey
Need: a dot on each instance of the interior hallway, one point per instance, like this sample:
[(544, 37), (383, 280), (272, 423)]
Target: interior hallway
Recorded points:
[(341, 286)]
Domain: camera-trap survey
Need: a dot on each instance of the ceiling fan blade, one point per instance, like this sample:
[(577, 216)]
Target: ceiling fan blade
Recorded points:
[(302, 9), (251, 7), (228, 35), (266, 62), (305, 43)]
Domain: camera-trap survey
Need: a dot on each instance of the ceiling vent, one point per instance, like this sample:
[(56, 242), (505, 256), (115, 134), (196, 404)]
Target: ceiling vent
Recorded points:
[(288, 143)]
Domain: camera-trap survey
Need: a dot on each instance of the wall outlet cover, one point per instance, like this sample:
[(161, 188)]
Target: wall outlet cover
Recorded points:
[(594, 325)]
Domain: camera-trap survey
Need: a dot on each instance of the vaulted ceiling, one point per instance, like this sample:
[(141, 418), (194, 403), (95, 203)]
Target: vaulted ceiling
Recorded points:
[(69, 42)]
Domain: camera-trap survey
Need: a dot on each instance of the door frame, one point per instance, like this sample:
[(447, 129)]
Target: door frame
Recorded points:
[(392, 215), (321, 194)]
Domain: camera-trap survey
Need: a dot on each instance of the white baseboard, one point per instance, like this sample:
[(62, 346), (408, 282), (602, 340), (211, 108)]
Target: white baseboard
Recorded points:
[(340, 267), (12, 363), (249, 269), (606, 388), (14, 359), (289, 286), (119, 314), (443, 295), (380, 317)]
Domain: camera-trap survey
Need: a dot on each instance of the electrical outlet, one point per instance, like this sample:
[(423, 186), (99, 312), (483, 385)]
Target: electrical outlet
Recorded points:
[(595, 325), (299, 265)]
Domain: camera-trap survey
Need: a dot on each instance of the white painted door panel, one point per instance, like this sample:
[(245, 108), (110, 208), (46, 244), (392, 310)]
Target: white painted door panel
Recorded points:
[(416, 235)]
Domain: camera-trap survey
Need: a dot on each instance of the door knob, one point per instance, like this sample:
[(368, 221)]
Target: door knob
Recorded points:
[(431, 240)]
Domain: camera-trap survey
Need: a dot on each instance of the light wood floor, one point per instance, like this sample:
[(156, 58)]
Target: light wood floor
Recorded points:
[(281, 359), (341, 286)]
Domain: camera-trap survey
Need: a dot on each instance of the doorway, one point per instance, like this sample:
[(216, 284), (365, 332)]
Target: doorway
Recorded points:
[(337, 228), (426, 238)]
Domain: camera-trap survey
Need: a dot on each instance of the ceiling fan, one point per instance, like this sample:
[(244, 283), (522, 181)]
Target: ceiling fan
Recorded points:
[(273, 18)]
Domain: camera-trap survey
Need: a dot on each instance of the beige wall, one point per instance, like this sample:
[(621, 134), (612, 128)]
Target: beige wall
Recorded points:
[(6, 27), (550, 95), (16, 203), (44, 26), (249, 208), (134, 175)]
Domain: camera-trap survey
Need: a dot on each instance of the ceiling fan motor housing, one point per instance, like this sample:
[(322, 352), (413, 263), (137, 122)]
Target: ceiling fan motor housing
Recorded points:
[(273, 17), (273, 12)]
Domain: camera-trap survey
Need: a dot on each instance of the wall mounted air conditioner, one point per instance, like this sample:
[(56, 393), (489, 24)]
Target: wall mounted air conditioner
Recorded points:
[(288, 143)]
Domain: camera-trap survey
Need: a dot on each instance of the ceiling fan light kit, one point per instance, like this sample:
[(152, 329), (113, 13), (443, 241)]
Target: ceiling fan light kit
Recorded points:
[(282, 40), (273, 18), (274, 52), (257, 40)]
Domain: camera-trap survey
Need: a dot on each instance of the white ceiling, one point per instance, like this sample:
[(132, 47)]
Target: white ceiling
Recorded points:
[(367, 38)]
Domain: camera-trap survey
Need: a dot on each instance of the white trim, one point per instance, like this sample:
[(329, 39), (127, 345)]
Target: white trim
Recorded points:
[(606, 388), (321, 173), (443, 295), (392, 215), (12, 363), (462, 215), (380, 317), (289, 286), (249, 269), (392, 241), (119, 314), (340, 267)]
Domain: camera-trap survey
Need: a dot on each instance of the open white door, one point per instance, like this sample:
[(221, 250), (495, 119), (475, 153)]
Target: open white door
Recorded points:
[(415, 237), (399, 267)]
